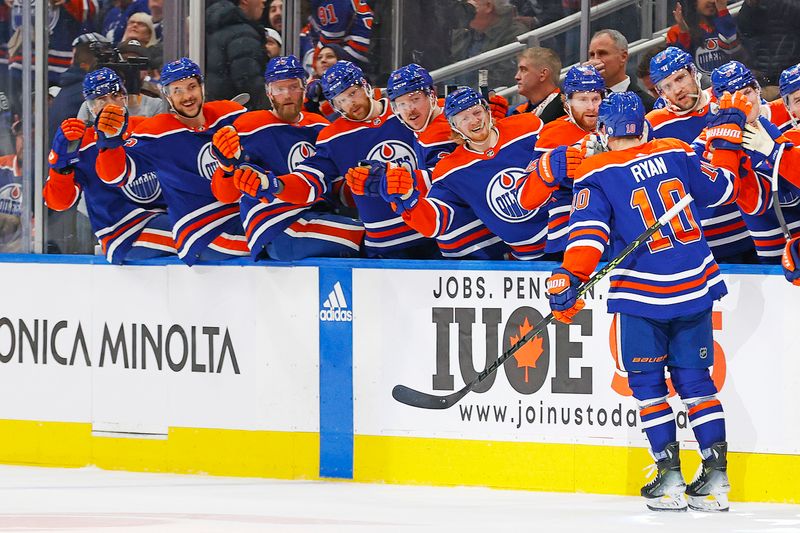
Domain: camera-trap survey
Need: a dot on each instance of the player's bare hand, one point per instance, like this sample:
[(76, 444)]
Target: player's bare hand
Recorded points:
[(679, 20)]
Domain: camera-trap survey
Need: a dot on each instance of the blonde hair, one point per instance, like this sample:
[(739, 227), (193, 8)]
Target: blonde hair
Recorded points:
[(148, 21)]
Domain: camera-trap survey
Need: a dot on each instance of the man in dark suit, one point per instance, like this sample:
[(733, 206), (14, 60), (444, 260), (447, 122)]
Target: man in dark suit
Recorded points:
[(608, 53), (537, 75)]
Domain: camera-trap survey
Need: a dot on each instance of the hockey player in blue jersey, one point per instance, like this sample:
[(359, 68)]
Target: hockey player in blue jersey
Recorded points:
[(279, 140), (661, 294), (366, 130), (177, 146), (480, 178), (130, 221), (347, 23), (413, 99)]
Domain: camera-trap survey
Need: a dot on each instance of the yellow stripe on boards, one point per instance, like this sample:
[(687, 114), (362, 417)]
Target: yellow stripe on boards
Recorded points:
[(222, 452), (556, 467)]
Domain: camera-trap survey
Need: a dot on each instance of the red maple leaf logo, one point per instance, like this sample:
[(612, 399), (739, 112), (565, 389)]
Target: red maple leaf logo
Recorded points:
[(528, 355)]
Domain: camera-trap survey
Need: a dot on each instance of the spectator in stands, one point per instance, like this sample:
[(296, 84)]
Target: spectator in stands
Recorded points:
[(492, 26), (769, 30), (315, 100), (706, 30), (156, 8), (275, 14), (347, 23), (274, 42), (116, 18), (139, 27), (70, 99), (538, 70), (235, 51), (608, 53)]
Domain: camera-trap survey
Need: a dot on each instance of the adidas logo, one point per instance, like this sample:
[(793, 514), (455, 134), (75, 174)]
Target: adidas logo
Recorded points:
[(335, 307)]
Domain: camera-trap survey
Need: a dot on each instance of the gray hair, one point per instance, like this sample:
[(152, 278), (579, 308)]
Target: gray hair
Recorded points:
[(619, 40)]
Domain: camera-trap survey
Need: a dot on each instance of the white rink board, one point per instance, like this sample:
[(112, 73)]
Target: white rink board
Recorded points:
[(263, 318), (397, 344)]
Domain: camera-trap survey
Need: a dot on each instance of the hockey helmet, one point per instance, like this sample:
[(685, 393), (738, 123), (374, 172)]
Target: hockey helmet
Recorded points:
[(180, 69), (622, 115), (731, 77), (462, 99), (790, 80), (339, 77), (583, 78), (668, 61), (284, 68), (101, 82), (408, 79)]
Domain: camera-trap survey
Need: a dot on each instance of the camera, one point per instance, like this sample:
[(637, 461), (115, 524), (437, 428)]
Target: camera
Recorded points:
[(128, 68)]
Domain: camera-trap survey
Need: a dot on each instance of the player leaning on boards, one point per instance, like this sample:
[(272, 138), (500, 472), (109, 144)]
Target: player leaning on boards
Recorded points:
[(131, 221), (661, 294), (550, 179), (366, 129), (413, 99), (279, 140), (479, 177)]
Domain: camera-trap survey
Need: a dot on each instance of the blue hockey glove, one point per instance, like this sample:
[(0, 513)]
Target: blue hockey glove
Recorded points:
[(791, 261), (724, 129), (562, 291), (765, 141), (65, 151), (365, 179)]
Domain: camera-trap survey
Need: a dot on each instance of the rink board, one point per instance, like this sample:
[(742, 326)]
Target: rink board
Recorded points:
[(286, 371)]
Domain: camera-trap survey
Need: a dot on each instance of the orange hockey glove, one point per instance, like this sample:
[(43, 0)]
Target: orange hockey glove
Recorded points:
[(365, 179), (226, 148), (498, 105), (111, 125)]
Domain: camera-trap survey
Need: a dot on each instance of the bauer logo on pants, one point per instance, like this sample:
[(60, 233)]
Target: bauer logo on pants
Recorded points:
[(335, 308)]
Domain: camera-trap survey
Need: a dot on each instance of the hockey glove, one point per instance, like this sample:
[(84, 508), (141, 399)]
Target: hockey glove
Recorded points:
[(64, 152), (724, 130), (791, 261), (256, 182), (365, 179), (314, 91), (111, 125), (756, 138), (557, 165), (498, 105), (399, 188), (226, 149), (591, 144), (562, 291)]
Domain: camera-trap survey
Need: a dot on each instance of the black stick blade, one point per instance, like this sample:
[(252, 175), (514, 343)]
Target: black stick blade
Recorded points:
[(423, 400)]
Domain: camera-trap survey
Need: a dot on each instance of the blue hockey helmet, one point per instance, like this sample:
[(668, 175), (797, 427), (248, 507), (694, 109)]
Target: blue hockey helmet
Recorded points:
[(668, 61), (790, 80), (731, 77), (461, 99), (101, 82), (408, 79), (583, 78), (622, 115), (180, 69), (339, 77), (284, 68)]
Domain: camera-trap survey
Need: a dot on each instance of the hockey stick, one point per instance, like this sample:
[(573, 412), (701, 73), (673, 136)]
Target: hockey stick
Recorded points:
[(776, 202), (423, 400)]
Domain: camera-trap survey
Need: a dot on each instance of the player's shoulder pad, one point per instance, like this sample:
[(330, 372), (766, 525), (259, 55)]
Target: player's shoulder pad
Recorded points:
[(657, 117), (668, 144), (559, 132), (458, 158), (313, 119), (253, 120), (793, 136), (522, 123), (338, 127), (778, 113), (220, 109), (7, 162), (438, 131), (158, 125)]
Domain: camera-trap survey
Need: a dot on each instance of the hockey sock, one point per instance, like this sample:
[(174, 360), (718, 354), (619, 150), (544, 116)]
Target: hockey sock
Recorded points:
[(658, 422), (708, 422)]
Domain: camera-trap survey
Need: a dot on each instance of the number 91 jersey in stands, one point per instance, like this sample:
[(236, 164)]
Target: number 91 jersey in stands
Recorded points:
[(619, 194)]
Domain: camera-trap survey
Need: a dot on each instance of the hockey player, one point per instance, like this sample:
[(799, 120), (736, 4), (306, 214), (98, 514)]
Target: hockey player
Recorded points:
[(347, 23), (366, 130), (765, 225), (279, 140), (677, 81), (661, 295), (413, 99), (558, 145), (130, 221), (178, 147), (479, 178)]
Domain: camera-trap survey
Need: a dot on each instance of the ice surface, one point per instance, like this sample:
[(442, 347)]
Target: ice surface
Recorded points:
[(94, 500)]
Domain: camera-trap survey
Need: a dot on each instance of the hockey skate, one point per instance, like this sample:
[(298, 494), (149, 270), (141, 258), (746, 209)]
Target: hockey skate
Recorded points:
[(665, 492), (709, 491)]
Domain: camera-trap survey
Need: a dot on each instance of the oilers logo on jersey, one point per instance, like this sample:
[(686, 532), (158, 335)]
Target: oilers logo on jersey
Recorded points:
[(393, 151), (206, 164), (298, 153), (11, 199), (709, 57), (501, 196), (143, 188)]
